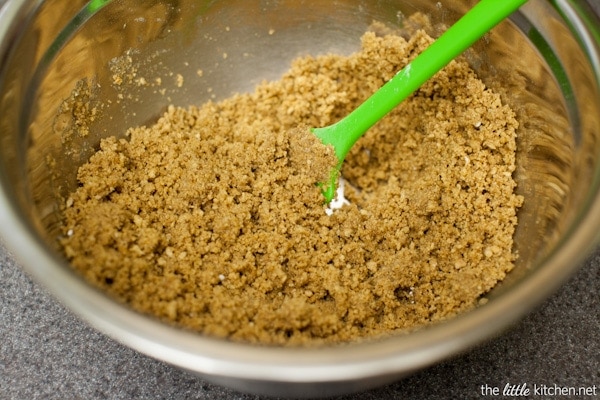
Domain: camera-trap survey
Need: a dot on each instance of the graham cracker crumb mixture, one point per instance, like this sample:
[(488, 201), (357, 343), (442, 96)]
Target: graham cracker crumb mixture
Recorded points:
[(77, 112), (211, 219)]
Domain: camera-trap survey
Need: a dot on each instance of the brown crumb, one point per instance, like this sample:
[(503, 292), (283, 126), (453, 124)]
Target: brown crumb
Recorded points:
[(210, 219), (77, 112)]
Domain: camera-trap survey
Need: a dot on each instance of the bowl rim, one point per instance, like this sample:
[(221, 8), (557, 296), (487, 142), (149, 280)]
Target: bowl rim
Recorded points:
[(221, 358)]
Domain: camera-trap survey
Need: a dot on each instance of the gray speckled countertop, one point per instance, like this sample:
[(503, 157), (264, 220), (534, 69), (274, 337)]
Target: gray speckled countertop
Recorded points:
[(48, 353)]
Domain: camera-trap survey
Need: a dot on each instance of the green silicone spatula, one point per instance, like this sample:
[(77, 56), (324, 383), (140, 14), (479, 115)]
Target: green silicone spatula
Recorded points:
[(466, 31)]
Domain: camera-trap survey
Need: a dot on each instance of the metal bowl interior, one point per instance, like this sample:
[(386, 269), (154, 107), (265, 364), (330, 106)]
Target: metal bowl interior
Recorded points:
[(544, 61)]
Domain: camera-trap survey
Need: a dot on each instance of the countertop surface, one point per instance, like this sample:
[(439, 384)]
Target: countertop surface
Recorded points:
[(48, 353)]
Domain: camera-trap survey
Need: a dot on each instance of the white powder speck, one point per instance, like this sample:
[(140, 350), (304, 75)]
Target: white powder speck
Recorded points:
[(339, 201)]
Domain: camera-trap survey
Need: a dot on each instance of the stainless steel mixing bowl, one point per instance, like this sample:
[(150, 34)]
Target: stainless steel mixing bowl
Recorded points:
[(58, 59)]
